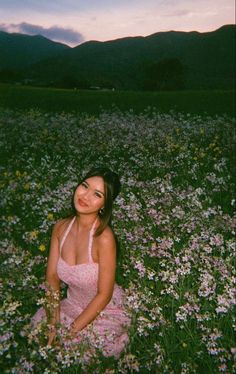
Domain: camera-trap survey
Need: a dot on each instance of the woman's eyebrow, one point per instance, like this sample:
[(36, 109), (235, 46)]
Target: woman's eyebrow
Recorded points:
[(100, 192), (95, 190)]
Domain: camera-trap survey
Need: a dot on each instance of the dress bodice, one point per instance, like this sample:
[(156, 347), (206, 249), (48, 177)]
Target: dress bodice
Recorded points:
[(82, 279)]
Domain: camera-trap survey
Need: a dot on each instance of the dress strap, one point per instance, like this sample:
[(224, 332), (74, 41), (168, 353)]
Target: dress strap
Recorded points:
[(90, 244), (66, 233)]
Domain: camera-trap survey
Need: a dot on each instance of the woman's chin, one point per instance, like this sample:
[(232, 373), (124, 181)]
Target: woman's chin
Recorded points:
[(81, 210)]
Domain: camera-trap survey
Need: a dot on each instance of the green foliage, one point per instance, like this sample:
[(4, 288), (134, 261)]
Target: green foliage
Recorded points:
[(9, 76), (167, 74)]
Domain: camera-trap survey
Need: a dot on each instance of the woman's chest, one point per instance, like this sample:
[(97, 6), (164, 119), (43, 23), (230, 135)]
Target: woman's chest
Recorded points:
[(80, 276), (77, 249)]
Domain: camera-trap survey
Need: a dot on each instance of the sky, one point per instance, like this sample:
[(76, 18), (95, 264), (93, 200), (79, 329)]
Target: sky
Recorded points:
[(76, 21)]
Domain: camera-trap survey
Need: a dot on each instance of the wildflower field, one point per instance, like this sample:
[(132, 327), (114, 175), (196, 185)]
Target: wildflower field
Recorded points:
[(174, 219)]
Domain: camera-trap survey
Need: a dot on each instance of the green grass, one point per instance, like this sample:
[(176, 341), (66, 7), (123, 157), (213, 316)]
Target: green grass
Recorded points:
[(58, 100)]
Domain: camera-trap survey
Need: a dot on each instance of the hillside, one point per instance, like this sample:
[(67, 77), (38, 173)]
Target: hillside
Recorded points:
[(18, 51), (164, 60)]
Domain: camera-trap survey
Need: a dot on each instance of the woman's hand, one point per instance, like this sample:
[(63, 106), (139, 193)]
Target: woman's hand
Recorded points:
[(51, 336), (73, 329)]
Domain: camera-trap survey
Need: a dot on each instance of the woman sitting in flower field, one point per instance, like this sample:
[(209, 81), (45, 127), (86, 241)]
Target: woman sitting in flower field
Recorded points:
[(83, 255)]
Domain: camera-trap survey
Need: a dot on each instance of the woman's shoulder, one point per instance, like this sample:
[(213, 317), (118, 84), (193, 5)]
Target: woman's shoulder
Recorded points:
[(106, 245), (61, 225), (107, 236)]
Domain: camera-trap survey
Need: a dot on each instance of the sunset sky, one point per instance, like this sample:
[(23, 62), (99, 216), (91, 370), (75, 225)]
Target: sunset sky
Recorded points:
[(75, 21)]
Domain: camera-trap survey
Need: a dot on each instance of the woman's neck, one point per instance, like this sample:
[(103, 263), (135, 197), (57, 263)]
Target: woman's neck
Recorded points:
[(85, 221)]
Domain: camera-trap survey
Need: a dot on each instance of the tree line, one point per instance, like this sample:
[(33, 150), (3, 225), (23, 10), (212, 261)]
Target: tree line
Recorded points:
[(166, 74)]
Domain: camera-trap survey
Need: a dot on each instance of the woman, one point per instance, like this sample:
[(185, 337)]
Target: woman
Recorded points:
[(83, 255)]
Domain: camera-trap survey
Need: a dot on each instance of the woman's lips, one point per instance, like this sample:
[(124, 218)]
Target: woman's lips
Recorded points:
[(82, 203)]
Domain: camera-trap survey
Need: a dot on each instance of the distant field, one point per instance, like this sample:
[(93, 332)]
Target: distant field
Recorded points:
[(58, 100)]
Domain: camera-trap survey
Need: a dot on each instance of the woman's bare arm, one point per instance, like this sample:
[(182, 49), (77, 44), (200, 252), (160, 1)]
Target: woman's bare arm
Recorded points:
[(53, 280), (106, 279), (51, 272)]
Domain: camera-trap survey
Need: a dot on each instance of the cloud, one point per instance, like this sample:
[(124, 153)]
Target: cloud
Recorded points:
[(178, 13), (56, 33)]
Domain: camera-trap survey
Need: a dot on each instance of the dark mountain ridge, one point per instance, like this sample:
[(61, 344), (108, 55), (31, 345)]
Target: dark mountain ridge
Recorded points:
[(199, 60), (18, 50)]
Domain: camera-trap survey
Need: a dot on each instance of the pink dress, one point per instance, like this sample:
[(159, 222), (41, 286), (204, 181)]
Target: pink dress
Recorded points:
[(108, 331)]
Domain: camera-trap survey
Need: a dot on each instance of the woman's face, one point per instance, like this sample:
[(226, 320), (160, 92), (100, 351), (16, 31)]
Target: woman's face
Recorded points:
[(89, 196)]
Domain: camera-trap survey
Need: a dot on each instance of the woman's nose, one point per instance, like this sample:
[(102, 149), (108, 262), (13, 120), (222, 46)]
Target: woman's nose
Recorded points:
[(86, 194)]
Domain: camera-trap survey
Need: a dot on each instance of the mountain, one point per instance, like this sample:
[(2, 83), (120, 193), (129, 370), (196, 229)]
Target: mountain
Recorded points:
[(18, 51), (162, 60)]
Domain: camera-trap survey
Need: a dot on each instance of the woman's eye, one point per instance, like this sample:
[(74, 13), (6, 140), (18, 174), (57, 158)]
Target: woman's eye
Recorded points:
[(98, 195)]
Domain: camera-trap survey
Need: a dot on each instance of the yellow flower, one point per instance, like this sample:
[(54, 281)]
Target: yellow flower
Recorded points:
[(42, 247), (50, 216), (18, 174), (33, 234), (184, 345), (211, 145), (10, 218), (27, 186)]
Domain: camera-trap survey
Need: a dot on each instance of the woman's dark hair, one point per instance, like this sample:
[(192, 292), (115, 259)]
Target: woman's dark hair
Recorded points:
[(112, 188)]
